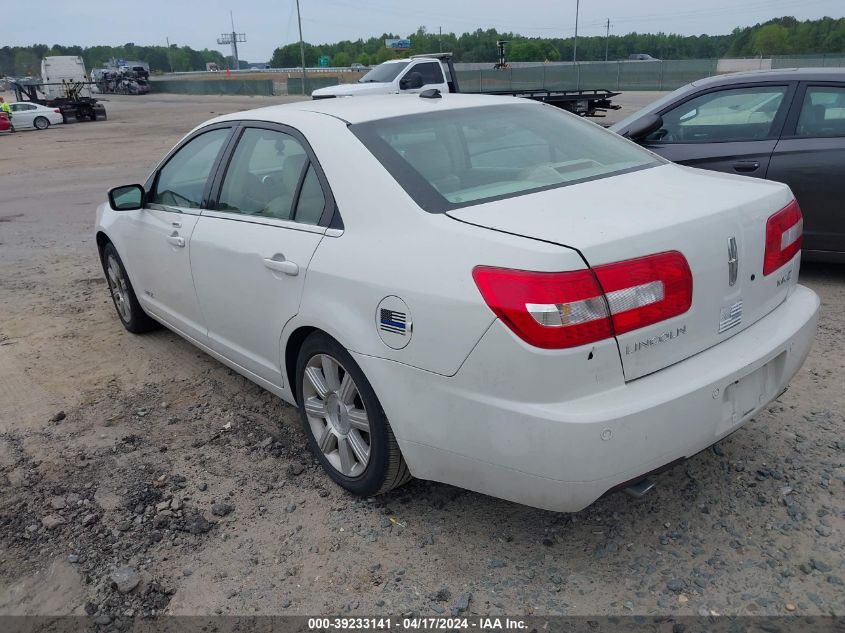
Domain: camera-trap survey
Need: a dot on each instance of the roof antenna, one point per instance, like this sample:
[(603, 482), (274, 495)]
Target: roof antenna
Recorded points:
[(431, 93)]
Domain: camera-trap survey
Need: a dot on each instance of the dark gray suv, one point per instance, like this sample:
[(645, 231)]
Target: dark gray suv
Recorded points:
[(785, 125)]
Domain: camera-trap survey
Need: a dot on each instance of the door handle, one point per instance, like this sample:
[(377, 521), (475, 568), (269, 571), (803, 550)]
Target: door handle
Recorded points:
[(281, 265), (746, 166), (176, 240)]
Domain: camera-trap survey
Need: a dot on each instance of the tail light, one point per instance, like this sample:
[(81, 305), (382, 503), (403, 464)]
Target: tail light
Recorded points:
[(57, 111), (784, 231), (568, 309)]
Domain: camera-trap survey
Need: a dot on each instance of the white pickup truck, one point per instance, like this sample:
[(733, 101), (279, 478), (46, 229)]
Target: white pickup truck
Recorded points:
[(436, 71)]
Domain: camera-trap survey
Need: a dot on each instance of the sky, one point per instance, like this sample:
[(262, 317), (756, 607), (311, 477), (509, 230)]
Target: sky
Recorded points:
[(271, 23)]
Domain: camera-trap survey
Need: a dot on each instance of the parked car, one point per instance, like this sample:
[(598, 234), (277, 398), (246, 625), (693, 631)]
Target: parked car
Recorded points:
[(5, 124), (783, 125), (33, 115), (499, 296), (642, 57)]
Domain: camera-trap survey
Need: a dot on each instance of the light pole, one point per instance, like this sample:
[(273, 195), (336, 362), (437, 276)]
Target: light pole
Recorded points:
[(232, 40), (169, 59), (575, 46), (301, 46)]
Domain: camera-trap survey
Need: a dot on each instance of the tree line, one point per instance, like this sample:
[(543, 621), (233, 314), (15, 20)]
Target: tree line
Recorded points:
[(780, 36), (20, 61)]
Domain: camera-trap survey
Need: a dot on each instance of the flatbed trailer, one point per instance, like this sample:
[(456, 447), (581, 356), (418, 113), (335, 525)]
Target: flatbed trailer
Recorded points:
[(581, 102), (591, 103), (72, 105)]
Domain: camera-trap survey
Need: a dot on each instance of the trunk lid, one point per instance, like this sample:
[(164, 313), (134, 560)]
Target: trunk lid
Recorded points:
[(706, 216)]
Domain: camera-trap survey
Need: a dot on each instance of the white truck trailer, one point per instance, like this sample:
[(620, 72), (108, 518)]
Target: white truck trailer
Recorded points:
[(63, 69)]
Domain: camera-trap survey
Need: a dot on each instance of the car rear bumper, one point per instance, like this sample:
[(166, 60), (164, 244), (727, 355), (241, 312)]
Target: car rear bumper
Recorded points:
[(563, 455)]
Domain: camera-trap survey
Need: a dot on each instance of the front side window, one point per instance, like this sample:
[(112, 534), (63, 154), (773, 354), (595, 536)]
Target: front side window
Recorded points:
[(181, 182), (738, 114), (455, 157), (264, 175), (822, 112)]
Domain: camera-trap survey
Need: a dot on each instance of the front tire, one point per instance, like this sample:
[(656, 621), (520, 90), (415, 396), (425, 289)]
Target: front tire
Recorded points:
[(126, 304), (41, 123), (346, 427)]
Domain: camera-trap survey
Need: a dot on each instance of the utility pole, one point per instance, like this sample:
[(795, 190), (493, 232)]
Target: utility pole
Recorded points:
[(440, 37), (607, 39), (301, 46), (169, 58), (575, 47), (232, 39)]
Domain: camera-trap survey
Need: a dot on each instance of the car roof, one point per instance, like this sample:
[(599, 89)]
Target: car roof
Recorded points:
[(360, 109), (780, 74)]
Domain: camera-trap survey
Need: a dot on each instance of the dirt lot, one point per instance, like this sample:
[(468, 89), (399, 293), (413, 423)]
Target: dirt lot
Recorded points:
[(119, 451)]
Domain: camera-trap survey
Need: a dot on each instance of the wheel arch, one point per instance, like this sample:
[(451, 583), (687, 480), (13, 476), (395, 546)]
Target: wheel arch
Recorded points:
[(292, 347), (102, 240)]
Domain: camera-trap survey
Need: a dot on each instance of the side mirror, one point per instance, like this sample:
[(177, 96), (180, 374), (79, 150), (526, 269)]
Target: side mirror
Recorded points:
[(641, 128), (127, 198), (411, 81)]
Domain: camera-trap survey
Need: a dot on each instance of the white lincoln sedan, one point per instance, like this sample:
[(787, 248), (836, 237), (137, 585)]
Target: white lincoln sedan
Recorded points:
[(482, 291)]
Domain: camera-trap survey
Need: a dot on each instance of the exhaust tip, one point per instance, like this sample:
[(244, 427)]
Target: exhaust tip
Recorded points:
[(640, 488)]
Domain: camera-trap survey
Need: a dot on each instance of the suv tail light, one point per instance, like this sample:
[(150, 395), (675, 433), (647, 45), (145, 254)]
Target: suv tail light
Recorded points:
[(57, 111), (568, 309), (784, 231)]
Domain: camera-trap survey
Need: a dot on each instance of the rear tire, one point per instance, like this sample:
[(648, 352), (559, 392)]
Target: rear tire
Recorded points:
[(129, 311), (41, 123), (364, 462)]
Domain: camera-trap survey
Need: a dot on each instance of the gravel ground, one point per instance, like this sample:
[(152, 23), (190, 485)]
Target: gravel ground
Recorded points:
[(139, 476)]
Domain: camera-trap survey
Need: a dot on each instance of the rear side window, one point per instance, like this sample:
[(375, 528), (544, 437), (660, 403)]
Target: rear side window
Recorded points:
[(737, 114), (181, 182), (457, 157), (822, 112), (312, 201), (431, 73), (263, 175)]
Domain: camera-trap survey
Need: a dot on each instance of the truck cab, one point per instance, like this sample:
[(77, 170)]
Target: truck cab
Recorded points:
[(397, 76)]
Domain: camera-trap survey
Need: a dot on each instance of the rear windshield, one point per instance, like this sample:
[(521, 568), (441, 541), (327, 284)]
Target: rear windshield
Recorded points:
[(460, 157), (383, 73)]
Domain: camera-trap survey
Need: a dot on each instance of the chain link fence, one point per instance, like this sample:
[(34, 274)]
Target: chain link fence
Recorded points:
[(656, 75), (661, 75), (809, 61), (293, 86), (243, 87)]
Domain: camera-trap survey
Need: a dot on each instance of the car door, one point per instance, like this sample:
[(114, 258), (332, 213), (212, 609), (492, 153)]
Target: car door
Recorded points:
[(23, 114), (810, 158), (157, 248), (250, 254), (732, 128)]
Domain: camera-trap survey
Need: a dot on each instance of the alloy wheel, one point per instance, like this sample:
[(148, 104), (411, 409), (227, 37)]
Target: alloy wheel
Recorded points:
[(336, 414)]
